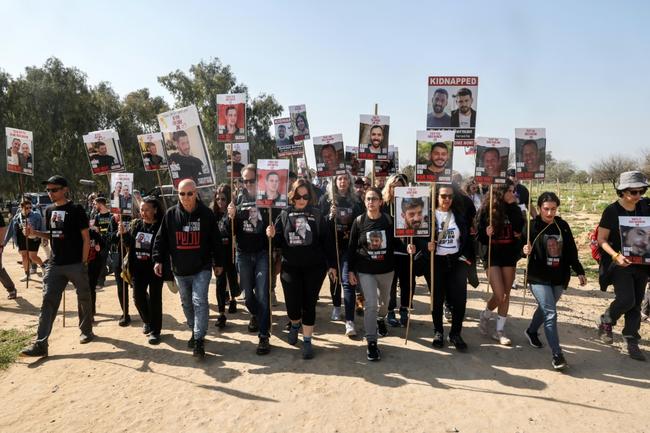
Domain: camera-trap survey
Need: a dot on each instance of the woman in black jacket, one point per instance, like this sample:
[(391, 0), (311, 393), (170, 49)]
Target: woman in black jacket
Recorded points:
[(552, 254)]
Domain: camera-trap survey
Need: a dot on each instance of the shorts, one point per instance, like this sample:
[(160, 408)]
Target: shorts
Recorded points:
[(32, 244)]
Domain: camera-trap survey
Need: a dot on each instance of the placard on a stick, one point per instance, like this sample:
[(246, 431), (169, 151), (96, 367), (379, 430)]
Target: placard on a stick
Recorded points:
[(451, 103), (434, 155), (231, 118), (373, 137), (328, 150), (412, 208), (104, 151), (152, 151), (530, 153), (20, 151), (121, 189), (491, 160), (272, 183)]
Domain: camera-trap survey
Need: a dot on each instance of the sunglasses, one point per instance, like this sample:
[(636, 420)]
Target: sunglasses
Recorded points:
[(637, 191), (445, 196), (249, 181), (189, 194), (53, 189), (302, 197)]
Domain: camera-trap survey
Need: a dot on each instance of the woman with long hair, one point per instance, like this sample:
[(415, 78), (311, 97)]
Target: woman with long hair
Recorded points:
[(502, 230)]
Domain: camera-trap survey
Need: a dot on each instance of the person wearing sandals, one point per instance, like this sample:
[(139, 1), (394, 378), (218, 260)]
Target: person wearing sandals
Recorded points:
[(552, 254), (504, 233), (307, 246), (629, 280)]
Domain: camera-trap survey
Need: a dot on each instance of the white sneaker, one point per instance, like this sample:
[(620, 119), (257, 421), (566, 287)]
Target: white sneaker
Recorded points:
[(484, 321), (336, 313), (349, 329), (500, 336)]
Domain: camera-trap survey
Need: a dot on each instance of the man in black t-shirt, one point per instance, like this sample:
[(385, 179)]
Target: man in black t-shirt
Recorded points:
[(5, 279), (70, 244), (103, 159), (182, 164)]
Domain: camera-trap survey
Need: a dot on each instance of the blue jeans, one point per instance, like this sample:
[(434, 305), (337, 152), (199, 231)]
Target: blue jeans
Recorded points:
[(349, 292), (194, 299), (254, 281), (546, 313)]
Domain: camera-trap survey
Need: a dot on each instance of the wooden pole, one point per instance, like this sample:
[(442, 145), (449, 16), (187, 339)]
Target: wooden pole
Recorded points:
[(372, 165), (406, 334), (25, 222), (489, 240), (433, 240), (339, 278), (162, 194), (523, 305), (270, 273), (232, 195)]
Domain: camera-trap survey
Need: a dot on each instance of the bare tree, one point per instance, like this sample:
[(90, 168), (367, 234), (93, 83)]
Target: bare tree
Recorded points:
[(609, 168)]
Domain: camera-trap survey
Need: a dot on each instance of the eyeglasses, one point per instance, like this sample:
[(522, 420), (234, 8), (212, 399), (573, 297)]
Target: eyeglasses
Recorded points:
[(445, 196), (249, 181), (637, 191), (372, 199), (302, 197), (189, 194), (53, 189)]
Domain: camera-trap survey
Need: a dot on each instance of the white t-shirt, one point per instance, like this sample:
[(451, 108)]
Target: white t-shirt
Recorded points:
[(450, 242), (464, 121)]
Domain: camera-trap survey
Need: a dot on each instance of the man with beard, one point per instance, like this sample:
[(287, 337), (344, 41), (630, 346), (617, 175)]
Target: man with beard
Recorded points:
[(438, 118), (155, 160), (282, 138), (376, 145), (184, 165), (413, 213), (13, 153), (464, 116), (25, 157), (236, 164), (103, 161), (439, 156)]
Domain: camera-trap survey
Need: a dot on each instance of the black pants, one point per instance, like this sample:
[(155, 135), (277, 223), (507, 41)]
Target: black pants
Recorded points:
[(301, 286), (122, 286), (450, 286), (148, 303), (629, 287), (5, 279), (94, 269), (402, 271), (227, 278), (335, 292), (102, 259)]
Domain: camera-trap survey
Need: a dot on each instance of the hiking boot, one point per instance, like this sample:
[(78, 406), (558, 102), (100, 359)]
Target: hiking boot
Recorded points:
[(634, 351), (533, 339), (438, 340), (191, 342), (605, 332), (146, 329), (372, 352), (11, 295), (336, 313), (500, 336), (403, 316), (263, 347), (86, 338), (232, 306), (199, 348), (35, 350), (154, 338), (382, 331), (484, 322), (252, 325), (221, 321), (350, 331), (559, 363), (292, 339), (458, 342), (124, 320), (392, 319), (307, 350)]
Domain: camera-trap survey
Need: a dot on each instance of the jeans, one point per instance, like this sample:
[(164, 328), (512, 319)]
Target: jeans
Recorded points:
[(254, 281), (194, 299), (376, 290), (546, 313), (349, 291), (55, 280), (629, 286)]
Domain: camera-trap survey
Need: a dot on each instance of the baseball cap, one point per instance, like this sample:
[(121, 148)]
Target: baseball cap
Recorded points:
[(56, 180)]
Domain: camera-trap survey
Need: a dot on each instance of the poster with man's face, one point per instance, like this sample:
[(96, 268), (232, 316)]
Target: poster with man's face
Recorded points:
[(299, 123), (236, 158), (530, 153), (389, 166), (451, 103), (121, 193), (552, 245), (434, 155), (302, 167), (272, 182), (104, 151), (284, 142), (231, 118), (185, 147), (635, 238), (491, 160), (152, 151), (373, 137), (412, 207), (328, 150), (356, 166), (20, 151), (300, 233)]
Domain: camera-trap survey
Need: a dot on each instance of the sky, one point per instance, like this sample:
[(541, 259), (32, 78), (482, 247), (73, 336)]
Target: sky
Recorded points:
[(577, 68)]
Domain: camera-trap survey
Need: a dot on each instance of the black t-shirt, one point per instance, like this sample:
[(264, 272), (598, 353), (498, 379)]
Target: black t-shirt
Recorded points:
[(103, 223), (372, 245), (609, 220), (104, 162), (65, 224)]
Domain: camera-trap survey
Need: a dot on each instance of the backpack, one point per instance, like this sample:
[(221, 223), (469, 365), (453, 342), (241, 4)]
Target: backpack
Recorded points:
[(593, 244)]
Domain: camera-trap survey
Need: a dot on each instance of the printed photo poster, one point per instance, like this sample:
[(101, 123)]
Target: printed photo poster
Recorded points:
[(300, 232), (373, 137), (121, 189), (104, 151), (412, 208), (376, 244), (185, 147), (530, 153), (57, 223), (236, 158), (153, 152), (635, 244), (356, 166), (552, 245), (284, 143), (330, 159), (303, 170), (491, 160), (231, 118), (389, 166), (451, 103), (20, 151), (143, 241), (272, 182), (299, 123), (434, 155)]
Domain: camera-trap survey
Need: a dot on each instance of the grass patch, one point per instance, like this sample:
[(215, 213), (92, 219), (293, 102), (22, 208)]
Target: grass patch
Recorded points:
[(12, 342)]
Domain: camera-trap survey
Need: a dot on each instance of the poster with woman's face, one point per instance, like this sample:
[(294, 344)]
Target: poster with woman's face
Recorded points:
[(434, 155), (299, 123), (20, 151), (635, 238), (272, 183), (236, 158), (185, 147), (121, 193), (491, 160), (530, 153), (412, 211), (356, 166), (373, 137), (104, 151), (152, 151), (231, 118), (328, 150)]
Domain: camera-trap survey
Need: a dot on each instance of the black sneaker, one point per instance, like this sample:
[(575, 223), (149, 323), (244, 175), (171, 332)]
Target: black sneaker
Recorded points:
[(252, 325), (154, 338), (11, 295), (146, 329), (559, 363), (634, 351), (382, 330), (86, 338), (199, 348), (605, 332), (438, 340), (232, 307), (533, 339), (403, 316), (263, 347), (373, 352), (221, 321), (391, 319), (35, 350), (458, 342), (124, 321), (191, 342), (307, 350)]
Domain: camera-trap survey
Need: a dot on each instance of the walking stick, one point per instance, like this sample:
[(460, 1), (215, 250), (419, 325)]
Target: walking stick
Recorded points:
[(433, 240), (406, 334), (487, 290), (523, 305)]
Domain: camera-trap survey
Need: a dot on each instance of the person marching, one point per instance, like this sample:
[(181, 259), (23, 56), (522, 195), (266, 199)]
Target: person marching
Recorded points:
[(307, 247), (5, 279), (552, 254), (629, 280), (502, 229), (27, 247)]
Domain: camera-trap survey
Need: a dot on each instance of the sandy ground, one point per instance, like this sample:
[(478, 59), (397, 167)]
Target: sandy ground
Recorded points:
[(119, 383)]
